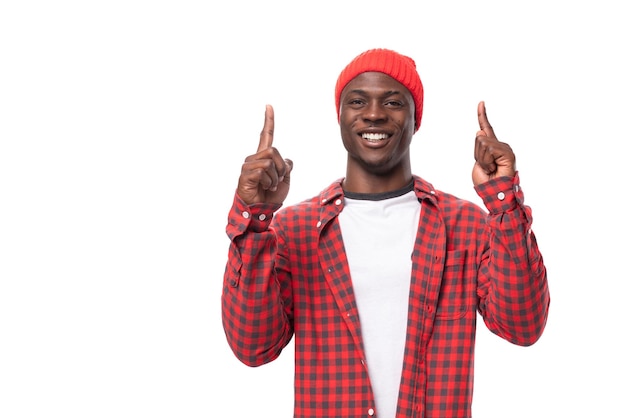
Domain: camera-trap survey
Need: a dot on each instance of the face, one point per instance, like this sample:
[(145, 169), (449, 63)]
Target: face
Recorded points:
[(377, 122)]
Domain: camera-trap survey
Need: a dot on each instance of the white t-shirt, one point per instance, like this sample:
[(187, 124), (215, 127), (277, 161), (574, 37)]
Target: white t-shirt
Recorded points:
[(379, 236)]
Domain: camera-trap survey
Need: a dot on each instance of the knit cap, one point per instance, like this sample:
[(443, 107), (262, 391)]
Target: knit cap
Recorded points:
[(400, 67)]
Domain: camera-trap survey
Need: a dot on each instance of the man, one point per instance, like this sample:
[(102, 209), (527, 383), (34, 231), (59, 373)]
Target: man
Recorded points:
[(380, 277)]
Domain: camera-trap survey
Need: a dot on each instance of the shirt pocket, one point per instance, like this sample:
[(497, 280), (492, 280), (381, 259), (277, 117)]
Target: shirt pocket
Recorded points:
[(453, 292)]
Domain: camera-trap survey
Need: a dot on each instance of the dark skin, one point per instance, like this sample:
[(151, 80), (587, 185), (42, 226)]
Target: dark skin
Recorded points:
[(376, 104), (377, 124)]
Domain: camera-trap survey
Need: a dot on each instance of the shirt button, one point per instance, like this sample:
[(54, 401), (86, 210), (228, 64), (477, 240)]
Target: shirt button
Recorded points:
[(370, 412), (338, 202), (501, 195), (319, 223), (245, 214), (262, 217)]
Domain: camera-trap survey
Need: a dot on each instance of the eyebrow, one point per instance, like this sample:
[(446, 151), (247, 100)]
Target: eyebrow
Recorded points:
[(386, 94)]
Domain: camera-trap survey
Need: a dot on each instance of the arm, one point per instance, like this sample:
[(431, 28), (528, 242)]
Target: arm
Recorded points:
[(255, 315), (254, 312), (512, 285)]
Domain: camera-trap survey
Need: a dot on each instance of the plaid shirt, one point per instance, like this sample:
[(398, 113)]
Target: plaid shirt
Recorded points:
[(287, 274)]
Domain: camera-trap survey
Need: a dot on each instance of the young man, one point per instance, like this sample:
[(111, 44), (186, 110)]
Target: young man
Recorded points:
[(380, 277)]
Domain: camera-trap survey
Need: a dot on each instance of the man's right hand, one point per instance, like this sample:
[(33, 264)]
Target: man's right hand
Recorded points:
[(265, 175)]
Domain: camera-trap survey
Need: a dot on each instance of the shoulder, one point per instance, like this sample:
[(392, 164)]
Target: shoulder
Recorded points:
[(448, 203), (313, 204)]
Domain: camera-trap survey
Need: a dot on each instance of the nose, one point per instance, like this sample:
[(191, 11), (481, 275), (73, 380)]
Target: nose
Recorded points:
[(374, 112)]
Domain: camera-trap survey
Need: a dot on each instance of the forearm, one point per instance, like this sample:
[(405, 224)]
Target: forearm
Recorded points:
[(514, 295), (255, 322)]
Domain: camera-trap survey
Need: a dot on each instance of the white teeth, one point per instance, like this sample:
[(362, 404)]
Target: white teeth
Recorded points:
[(373, 136)]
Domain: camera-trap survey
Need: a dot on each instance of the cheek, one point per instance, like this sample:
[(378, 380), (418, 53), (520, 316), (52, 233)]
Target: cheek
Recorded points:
[(408, 123), (347, 120), (345, 116), (345, 134)]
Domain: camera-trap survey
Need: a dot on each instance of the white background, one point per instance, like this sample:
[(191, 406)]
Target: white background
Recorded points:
[(123, 126)]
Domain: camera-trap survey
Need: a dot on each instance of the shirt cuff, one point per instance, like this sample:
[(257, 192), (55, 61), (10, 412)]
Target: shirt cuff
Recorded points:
[(501, 194), (255, 218)]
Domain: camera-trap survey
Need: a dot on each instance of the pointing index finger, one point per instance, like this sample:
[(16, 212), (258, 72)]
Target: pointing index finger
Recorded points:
[(267, 134), (483, 122)]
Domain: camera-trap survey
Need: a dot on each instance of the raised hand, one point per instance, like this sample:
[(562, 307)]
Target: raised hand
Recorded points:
[(265, 175), (493, 158)]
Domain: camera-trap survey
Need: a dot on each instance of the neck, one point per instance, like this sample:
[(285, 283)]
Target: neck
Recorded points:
[(356, 183)]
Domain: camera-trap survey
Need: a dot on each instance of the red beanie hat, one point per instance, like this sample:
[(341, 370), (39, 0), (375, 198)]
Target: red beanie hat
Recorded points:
[(398, 66)]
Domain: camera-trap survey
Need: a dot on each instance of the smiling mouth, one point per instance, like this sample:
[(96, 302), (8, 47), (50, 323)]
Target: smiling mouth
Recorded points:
[(374, 137)]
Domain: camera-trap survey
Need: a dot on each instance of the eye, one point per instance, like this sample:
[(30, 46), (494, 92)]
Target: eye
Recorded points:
[(394, 103), (356, 102)]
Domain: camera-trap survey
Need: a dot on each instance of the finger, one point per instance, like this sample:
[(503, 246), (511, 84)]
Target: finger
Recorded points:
[(258, 175), (284, 174), (493, 155), (288, 167), (267, 134), (483, 121), (482, 153), (270, 173), (487, 163), (479, 150)]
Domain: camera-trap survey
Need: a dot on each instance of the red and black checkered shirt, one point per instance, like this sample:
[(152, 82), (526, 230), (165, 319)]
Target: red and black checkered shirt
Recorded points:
[(287, 274)]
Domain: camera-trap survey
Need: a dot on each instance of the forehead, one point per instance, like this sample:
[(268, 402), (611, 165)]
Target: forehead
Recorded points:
[(373, 82)]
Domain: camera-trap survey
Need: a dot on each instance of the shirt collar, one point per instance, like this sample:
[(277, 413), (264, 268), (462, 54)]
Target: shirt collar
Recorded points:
[(423, 190)]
